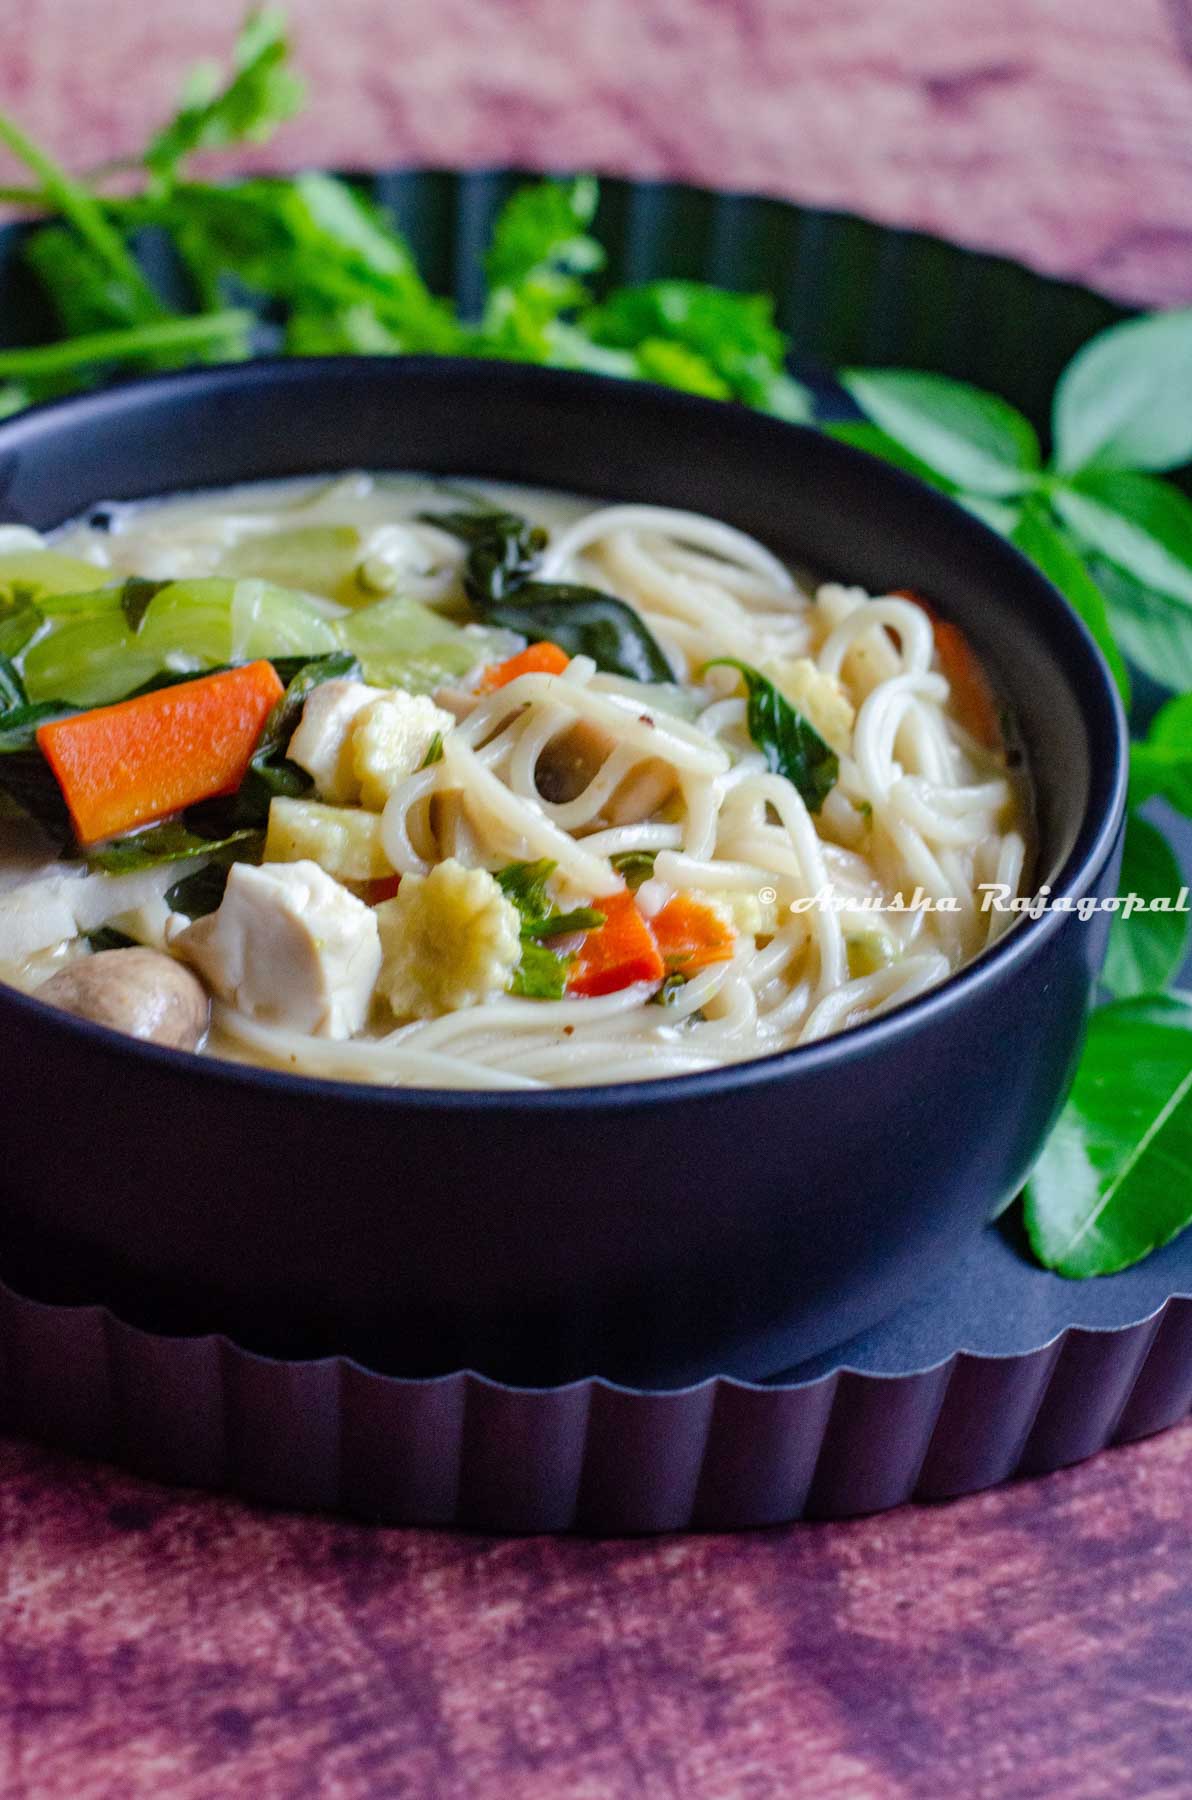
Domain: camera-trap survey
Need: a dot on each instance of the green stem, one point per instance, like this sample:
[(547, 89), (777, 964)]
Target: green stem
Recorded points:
[(120, 346), (81, 209)]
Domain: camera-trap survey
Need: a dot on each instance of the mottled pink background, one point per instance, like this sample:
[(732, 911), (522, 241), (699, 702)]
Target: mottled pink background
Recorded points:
[(1032, 1644)]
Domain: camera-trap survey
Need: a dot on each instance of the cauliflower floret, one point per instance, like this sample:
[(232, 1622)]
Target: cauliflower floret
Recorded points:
[(819, 697), (449, 940), (322, 743), (343, 840), (390, 739), (287, 945), (749, 915)]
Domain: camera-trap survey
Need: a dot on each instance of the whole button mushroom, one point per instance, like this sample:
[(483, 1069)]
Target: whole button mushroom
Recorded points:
[(137, 991)]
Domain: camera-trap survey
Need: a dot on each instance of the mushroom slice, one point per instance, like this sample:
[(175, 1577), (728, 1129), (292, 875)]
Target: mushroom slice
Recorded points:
[(141, 992)]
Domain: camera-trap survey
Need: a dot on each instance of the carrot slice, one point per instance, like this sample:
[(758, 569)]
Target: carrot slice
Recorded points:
[(972, 695), (123, 766), (537, 659), (617, 953), (691, 935)]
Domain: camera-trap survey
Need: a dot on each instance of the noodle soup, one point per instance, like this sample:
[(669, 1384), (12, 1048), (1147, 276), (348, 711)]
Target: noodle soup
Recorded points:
[(452, 784)]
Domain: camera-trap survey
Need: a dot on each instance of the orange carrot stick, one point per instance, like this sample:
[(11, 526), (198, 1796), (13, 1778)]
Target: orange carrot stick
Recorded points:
[(691, 935), (123, 766), (617, 953), (537, 659)]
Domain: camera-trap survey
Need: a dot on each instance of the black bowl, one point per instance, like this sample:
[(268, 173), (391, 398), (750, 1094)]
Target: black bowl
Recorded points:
[(737, 1220)]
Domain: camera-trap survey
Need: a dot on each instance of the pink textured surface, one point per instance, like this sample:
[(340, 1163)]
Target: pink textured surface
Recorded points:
[(1024, 1645), (1056, 130)]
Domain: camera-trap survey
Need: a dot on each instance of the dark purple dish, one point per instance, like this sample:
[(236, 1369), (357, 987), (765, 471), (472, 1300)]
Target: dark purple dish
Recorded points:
[(729, 1221)]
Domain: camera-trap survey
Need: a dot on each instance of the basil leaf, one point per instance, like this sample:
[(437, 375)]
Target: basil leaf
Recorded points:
[(503, 552), (1162, 763), (862, 434), (1140, 523), (25, 775), (1123, 402), (634, 866), (172, 841), (1152, 629), (1112, 1182), (1146, 950), (201, 893), (564, 924), (973, 438), (525, 884), (540, 975), (583, 621), (136, 596), (1047, 547), (790, 745)]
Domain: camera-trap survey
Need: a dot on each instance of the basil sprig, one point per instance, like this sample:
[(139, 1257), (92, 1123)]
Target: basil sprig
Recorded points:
[(1115, 1180), (503, 553), (790, 743)]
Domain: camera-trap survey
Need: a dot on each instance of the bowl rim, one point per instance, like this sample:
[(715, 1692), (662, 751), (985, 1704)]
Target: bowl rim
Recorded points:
[(1093, 686)]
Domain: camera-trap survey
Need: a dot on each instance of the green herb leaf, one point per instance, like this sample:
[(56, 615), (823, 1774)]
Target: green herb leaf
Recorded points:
[(199, 894), (634, 866), (1141, 524), (261, 95), (1111, 1185), (973, 438), (1152, 629), (565, 924), (541, 232), (862, 434), (525, 883), (108, 938), (584, 621), (1125, 399), (135, 597), (1146, 950), (704, 339), (171, 841), (503, 551), (790, 745), (25, 775), (434, 752), (1162, 763), (540, 975), (1051, 551)]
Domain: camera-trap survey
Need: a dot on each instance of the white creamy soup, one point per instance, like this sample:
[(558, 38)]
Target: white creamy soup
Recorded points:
[(454, 784)]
